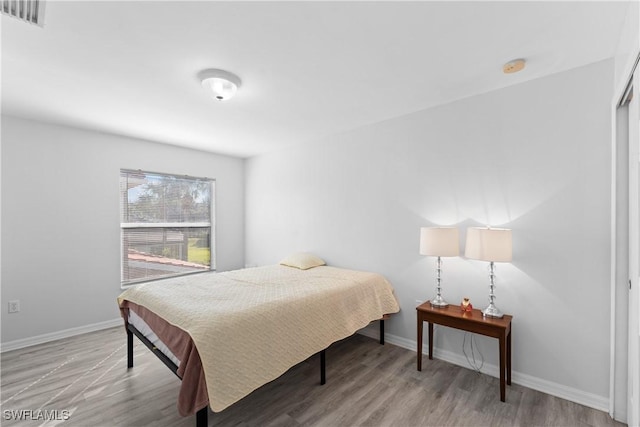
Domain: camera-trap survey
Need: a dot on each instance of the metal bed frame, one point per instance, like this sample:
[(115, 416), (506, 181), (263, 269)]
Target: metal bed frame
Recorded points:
[(202, 416)]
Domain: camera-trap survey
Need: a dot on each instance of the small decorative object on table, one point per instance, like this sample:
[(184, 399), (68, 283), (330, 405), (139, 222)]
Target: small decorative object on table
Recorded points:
[(466, 305)]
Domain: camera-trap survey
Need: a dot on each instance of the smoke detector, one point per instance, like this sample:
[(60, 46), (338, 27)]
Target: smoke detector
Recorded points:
[(513, 66)]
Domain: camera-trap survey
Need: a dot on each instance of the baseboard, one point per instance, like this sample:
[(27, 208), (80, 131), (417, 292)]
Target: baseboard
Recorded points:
[(594, 401), (44, 338)]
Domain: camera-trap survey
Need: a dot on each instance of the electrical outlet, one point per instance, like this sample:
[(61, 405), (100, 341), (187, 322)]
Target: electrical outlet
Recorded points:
[(14, 306), (418, 301)]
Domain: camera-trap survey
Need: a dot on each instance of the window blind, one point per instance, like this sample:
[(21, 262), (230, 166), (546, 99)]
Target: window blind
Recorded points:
[(166, 225)]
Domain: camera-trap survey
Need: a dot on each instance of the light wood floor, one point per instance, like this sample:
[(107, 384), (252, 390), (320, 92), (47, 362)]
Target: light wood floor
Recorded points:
[(367, 385)]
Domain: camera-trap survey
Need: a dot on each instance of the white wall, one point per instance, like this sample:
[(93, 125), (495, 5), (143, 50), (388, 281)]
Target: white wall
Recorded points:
[(61, 224), (533, 157), (627, 49)]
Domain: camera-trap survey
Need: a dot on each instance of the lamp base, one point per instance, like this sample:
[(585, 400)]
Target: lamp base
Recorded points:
[(438, 301), (492, 311)]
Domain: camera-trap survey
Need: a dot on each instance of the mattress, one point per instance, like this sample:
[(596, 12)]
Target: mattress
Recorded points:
[(142, 327)]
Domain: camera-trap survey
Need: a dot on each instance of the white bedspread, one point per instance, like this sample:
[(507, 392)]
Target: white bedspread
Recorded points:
[(250, 326)]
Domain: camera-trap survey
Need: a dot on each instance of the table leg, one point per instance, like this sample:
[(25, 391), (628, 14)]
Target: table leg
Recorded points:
[(503, 352), (430, 341), (509, 358), (419, 352)]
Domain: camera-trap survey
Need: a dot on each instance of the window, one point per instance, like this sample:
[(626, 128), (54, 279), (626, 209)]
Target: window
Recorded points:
[(166, 225)]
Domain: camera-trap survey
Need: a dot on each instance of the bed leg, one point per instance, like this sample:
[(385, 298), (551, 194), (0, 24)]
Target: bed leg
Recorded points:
[(129, 349), (202, 417), (323, 370), (382, 331)]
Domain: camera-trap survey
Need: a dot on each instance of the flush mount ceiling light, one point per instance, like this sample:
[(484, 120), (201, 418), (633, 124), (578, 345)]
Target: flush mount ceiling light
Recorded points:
[(513, 66), (222, 84)]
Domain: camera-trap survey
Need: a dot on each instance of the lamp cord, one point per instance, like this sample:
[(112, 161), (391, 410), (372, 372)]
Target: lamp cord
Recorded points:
[(472, 361)]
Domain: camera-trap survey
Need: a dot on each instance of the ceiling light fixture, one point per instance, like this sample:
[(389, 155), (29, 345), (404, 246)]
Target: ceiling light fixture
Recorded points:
[(222, 84), (513, 66)]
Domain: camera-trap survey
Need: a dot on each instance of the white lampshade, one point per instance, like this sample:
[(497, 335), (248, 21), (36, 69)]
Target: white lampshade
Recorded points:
[(439, 241), (488, 244)]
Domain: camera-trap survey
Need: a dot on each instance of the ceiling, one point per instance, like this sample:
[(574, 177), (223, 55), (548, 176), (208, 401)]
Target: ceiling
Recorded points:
[(309, 70)]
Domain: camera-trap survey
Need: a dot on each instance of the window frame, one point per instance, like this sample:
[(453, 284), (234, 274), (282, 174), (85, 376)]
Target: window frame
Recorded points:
[(168, 226)]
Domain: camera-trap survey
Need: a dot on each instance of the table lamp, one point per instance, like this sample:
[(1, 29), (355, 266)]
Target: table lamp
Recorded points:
[(493, 245), (439, 242)]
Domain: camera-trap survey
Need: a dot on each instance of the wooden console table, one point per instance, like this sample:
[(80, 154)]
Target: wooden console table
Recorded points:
[(473, 321)]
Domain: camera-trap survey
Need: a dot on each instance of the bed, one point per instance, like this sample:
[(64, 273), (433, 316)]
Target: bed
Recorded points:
[(227, 334)]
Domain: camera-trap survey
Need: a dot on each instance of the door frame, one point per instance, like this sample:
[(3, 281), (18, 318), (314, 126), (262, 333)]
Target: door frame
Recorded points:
[(632, 253)]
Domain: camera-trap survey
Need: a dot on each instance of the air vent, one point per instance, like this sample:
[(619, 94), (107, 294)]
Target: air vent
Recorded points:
[(31, 11)]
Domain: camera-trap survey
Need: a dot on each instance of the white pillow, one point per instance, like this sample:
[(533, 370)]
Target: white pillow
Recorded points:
[(302, 260)]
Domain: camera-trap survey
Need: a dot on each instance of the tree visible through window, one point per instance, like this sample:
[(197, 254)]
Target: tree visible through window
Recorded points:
[(166, 225)]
